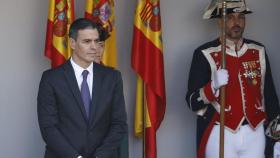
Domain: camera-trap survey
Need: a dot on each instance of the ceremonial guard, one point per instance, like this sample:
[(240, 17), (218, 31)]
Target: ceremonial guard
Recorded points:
[(251, 102)]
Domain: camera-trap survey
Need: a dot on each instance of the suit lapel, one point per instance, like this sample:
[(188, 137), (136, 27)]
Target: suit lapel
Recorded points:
[(96, 89), (72, 83)]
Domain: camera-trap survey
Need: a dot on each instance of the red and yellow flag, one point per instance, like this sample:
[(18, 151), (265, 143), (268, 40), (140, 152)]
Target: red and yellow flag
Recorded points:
[(147, 62), (103, 12), (57, 46)]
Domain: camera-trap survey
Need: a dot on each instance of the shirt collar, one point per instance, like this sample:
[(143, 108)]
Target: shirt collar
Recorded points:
[(78, 69), (236, 47)]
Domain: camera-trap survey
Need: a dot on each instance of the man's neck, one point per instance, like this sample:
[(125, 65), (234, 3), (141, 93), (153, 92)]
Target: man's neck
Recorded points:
[(234, 44)]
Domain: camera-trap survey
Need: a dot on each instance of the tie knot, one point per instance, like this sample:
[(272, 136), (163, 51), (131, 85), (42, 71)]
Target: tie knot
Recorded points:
[(85, 73)]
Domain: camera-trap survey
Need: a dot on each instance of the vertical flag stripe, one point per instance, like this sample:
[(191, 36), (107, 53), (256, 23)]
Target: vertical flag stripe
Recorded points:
[(150, 144), (147, 61), (140, 102)]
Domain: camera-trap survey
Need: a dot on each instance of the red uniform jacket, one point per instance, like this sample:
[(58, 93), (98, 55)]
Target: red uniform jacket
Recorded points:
[(250, 93)]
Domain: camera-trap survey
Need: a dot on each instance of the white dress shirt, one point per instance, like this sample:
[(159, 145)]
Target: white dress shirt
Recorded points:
[(79, 77)]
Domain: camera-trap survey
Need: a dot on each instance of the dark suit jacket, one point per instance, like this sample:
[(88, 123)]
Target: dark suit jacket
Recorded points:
[(62, 117)]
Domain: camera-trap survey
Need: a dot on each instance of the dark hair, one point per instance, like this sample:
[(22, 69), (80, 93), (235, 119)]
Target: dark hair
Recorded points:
[(81, 24), (103, 33)]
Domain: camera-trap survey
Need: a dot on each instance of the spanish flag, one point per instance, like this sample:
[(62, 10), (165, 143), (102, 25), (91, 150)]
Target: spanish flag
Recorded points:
[(147, 62), (57, 44), (103, 12)]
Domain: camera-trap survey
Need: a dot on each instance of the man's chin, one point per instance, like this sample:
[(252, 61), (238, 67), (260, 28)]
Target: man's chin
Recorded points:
[(91, 56), (90, 59)]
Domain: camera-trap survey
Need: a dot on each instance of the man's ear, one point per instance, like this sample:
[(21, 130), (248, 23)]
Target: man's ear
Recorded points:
[(72, 43)]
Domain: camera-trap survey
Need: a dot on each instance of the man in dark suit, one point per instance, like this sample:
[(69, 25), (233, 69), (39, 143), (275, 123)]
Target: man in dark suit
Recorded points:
[(77, 121)]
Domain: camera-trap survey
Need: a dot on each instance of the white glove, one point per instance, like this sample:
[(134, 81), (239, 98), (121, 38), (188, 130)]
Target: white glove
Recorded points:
[(276, 152), (220, 78)]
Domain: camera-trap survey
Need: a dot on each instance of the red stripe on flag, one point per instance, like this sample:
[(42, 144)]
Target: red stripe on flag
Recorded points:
[(50, 51), (156, 107), (57, 58), (91, 17), (48, 42), (147, 61), (150, 145)]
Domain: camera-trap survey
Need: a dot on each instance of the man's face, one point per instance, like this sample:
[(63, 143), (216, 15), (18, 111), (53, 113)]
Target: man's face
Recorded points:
[(235, 25), (85, 47)]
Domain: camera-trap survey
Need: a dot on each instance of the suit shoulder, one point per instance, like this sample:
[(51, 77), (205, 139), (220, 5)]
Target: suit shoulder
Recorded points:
[(107, 69), (53, 72)]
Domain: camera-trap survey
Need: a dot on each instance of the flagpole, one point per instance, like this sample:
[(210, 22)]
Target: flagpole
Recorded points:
[(223, 88)]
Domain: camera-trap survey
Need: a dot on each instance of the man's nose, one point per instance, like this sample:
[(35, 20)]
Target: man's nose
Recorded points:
[(237, 21)]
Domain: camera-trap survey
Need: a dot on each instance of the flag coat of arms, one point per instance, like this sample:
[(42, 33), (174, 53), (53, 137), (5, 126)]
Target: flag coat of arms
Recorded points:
[(60, 17)]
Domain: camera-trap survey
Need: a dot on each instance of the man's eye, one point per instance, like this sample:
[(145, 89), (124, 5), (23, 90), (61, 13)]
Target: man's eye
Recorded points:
[(86, 41)]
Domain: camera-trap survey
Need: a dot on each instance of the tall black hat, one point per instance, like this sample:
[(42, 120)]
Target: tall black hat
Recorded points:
[(214, 10)]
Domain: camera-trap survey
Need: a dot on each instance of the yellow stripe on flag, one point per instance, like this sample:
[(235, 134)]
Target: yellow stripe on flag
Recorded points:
[(89, 6), (51, 10), (140, 102), (110, 51)]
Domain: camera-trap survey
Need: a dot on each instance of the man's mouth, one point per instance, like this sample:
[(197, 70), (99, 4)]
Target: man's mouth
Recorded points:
[(236, 29)]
